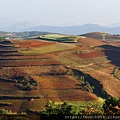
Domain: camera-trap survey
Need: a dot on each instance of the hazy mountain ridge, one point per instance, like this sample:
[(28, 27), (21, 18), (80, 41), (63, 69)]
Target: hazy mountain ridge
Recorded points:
[(76, 30), (9, 26)]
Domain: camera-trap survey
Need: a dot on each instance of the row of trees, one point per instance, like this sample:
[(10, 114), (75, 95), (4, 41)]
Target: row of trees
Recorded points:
[(111, 106), (52, 111)]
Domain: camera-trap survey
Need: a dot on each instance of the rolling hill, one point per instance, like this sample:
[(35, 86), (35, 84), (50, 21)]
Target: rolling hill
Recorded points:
[(99, 36), (35, 71)]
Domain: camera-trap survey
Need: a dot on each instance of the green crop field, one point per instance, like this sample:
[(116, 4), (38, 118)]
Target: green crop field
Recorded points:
[(59, 38), (53, 36)]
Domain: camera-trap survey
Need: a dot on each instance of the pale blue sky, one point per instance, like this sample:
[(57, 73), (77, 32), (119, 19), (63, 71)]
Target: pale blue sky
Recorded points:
[(62, 12)]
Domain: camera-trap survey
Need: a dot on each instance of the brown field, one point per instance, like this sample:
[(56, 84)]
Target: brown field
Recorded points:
[(17, 57), (62, 88), (91, 55), (9, 72), (32, 43), (28, 63), (110, 84), (48, 62), (98, 54), (90, 41), (6, 85), (99, 63)]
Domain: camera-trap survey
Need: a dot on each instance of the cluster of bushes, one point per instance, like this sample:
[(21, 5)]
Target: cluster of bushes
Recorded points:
[(3, 111), (78, 52), (24, 84), (9, 112), (88, 87), (52, 108), (1, 38), (112, 106), (65, 110)]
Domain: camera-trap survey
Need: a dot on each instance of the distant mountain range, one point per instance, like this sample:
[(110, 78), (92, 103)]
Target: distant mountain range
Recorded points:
[(9, 26), (76, 30)]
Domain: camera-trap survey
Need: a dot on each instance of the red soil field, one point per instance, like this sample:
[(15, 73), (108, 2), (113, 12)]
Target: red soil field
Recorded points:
[(9, 72), (45, 56), (32, 43), (28, 63), (6, 84), (62, 88), (106, 53), (90, 41), (91, 55), (110, 84), (57, 82)]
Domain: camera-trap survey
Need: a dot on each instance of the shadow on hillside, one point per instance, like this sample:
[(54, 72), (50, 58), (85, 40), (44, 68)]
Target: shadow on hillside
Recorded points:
[(98, 88), (112, 53)]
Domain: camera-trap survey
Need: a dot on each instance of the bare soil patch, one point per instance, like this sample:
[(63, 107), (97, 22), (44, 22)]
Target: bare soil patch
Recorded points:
[(62, 88), (32, 43)]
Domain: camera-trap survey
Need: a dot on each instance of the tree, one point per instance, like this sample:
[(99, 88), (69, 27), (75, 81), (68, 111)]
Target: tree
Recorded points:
[(1, 38), (53, 109), (65, 109), (111, 105), (50, 109)]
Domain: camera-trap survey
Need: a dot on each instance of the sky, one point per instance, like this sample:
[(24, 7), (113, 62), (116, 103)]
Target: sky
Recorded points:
[(62, 12)]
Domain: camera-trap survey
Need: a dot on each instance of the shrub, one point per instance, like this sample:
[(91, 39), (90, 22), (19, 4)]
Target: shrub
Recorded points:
[(71, 109), (115, 70), (52, 109), (81, 78), (6, 112), (25, 84), (88, 87), (111, 105), (1, 38)]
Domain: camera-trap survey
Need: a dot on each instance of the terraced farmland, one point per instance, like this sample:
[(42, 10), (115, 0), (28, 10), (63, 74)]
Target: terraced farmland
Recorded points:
[(16, 62), (35, 71), (48, 49)]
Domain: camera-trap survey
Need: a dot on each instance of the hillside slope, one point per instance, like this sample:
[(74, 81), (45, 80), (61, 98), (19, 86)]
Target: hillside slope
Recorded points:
[(35, 71)]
